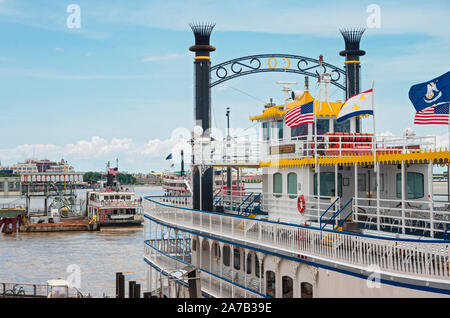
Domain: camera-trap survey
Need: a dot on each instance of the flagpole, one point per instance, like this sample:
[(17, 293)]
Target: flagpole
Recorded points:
[(374, 130)]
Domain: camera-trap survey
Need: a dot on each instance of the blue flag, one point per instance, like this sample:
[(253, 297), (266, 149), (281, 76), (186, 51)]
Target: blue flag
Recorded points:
[(430, 93), (169, 157)]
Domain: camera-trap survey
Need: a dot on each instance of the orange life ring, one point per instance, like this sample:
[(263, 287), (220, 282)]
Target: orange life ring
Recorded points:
[(301, 204)]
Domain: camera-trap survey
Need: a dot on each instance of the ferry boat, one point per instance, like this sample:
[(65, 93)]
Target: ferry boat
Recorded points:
[(112, 204), (342, 213)]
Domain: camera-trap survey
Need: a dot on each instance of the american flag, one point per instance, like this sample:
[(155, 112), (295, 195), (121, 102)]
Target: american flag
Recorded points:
[(113, 171), (437, 114), (303, 114)]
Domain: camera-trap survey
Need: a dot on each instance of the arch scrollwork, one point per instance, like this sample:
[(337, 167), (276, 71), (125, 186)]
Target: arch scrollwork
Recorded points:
[(275, 63)]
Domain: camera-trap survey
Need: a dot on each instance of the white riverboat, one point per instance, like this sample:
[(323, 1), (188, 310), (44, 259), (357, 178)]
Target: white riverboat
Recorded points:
[(342, 213), (114, 205)]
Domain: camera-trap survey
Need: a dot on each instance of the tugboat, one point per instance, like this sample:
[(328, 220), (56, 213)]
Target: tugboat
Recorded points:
[(113, 205)]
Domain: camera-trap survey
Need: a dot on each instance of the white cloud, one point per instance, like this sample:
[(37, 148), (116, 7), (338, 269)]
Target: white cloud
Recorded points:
[(98, 147)]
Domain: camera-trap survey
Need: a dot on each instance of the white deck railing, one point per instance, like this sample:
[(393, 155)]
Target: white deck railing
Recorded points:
[(422, 259), (252, 151), (213, 284)]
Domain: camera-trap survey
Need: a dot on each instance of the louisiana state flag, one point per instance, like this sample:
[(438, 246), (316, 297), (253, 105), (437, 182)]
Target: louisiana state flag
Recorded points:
[(430, 93), (359, 104)]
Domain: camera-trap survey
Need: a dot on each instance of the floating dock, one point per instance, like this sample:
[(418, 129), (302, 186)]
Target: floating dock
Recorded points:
[(70, 224)]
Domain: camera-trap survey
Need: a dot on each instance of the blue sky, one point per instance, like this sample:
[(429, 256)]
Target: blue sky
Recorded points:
[(118, 86)]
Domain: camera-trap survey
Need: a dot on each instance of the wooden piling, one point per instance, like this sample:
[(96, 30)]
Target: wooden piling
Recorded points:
[(137, 291), (120, 285), (131, 286)]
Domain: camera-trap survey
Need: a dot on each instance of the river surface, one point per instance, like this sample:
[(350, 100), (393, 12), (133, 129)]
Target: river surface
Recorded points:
[(38, 257)]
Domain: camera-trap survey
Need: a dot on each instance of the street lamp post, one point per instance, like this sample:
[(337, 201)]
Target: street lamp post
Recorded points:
[(229, 175)]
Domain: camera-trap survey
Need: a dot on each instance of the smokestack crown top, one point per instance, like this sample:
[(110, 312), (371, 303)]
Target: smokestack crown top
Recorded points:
[(202, 32), (352, 38)]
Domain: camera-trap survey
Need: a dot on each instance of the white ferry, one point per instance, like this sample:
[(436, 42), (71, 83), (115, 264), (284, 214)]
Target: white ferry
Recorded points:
[(342, 213), (113, 205)]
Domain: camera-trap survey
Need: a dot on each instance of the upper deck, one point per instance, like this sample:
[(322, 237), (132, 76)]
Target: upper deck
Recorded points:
[(341, 148), (109, 198)]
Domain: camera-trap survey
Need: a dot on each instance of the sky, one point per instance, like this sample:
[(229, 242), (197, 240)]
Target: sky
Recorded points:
[(121, 85)]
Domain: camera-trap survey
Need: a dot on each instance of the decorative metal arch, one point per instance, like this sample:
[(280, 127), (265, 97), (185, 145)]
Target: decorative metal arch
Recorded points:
[(274, 63)]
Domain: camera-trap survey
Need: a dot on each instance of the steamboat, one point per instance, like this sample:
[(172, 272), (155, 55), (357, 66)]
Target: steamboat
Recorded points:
[(343, 212), (113, 205)]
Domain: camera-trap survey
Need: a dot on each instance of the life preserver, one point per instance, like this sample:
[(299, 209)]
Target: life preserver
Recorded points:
[(301, 204)]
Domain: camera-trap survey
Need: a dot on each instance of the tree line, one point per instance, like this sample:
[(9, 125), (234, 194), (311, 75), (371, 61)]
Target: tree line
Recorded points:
[(123, 178)]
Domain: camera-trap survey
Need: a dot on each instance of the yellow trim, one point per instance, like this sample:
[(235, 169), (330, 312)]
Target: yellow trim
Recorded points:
[(437, 157), (269, 65), (350, 62), (202, 58)]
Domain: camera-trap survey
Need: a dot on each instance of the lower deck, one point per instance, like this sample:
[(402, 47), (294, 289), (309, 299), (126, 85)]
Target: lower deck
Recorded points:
[(243, 257)]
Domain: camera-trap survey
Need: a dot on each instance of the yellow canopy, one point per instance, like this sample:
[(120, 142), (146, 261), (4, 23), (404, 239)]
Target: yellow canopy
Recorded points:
[(322, 108), (272, 112)]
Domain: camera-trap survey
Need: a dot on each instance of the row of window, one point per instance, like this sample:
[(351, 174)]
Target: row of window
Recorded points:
[(415, 184), (323, 126), (306, 289), (12, 186), (287, 286)]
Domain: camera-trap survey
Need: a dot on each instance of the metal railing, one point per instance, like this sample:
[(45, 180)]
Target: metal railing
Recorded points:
[(211, 283), (251, 151), (416, 217), (421, 259)]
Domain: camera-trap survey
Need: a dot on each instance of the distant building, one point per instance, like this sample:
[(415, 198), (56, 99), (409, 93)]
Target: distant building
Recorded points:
[(40, 166), (148, 178)]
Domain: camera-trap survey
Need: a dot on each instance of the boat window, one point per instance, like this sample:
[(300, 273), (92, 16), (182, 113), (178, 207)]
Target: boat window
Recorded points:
[(237, 259), (226, 255), (270, 283), (266, 131), (288, 287), (292, 185), (306, 290), (327, 184), (280, 129), (362, 182), (342, 127), (298, 131), (194, 245), (323, 126), (128, 197), (415, 185), (249, 263), (277, 184)]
